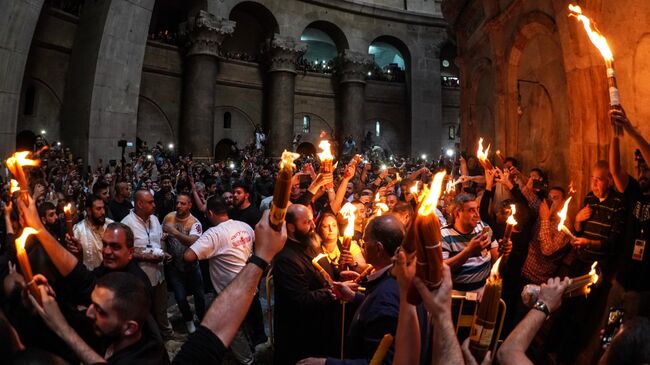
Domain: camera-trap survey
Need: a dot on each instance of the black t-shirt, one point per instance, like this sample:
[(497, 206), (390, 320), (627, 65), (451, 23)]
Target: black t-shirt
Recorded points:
[(120, 210), (202, 347), (634, 268), (250, 215), (147, 351)]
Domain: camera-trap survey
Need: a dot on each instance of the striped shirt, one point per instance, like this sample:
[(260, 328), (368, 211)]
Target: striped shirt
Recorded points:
[(604, 225), (473, 273)]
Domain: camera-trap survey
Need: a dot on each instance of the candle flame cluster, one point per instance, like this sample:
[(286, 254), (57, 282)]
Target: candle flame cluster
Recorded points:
[(431, 196), (511, 218), (562, 214), (320, 269), (287, 159), (594, 34), (326, 149), (482, 155), (13, 186), (348, 212)]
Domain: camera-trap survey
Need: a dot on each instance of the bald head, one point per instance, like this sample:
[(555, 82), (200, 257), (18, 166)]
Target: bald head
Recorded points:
[(300, 221), (388, 230), (144, 204)]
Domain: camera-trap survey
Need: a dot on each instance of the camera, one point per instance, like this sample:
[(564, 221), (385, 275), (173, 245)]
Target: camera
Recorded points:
[(121, 143)]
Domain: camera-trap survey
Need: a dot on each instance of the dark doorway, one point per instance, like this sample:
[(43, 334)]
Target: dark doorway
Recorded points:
[(224, 150), (306, 149)]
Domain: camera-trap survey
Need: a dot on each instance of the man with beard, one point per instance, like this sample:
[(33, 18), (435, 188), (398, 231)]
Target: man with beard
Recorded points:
[(228, 198), (243, 210), (307, 315), (49, 218), (89, 232), (264, 184), (102, 190), (118, 312), (227, 246), (183, 229), (165, 199), (631, 289)]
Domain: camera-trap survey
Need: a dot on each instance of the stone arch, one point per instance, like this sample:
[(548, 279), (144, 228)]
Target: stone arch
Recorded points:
[(153, 123), (242, 127), (397, 43), (46, 112), (537, 110), (317, 124), (332, 30), (223, 149), (255, 24), (388, 133)]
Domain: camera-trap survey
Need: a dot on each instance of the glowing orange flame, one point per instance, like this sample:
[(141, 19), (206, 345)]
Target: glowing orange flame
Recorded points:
[(348, 212), (511, 219), (397, 177), (288, 158), (430, 197), (20, 159), (381, 208), (562, 214), (68, 208), (480, 153), (414, 189), (594, 34), (20, 241), (324, 145), (13, 186)]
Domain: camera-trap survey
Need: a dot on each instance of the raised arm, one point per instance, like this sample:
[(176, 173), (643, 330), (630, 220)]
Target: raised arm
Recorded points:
[(619, 118), (513, 350), (407, 337), (62, 259)]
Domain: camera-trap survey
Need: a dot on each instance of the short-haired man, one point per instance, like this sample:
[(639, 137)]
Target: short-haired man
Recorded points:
[(148, 234), (118, 312), (165, 199), (466, 248), (90, 231), (227, 246), (243, 210), (183, 229), (49, 218), (102, 190), (121, 205)]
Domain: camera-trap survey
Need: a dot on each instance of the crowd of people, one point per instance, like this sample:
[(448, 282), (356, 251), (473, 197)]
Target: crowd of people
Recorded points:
[(158, 222)]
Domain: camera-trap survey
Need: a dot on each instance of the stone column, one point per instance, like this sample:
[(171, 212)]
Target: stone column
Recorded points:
[(203, 35), (352, 70), (283, 52)]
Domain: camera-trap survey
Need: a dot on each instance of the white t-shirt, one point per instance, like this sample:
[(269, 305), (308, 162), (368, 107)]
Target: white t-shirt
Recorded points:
[(228, 246)]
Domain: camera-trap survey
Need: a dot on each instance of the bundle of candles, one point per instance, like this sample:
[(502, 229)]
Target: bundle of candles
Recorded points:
[(486, 315), (348, 212), (562, 214), (282, 190), (380, 206), (23, 262), (580, 285), (382, 349), (510, 224), (353, 163), (425, 240), (598, 40), (15, 164), (320, 269), (326, 159), (482, 155), (369, 269)]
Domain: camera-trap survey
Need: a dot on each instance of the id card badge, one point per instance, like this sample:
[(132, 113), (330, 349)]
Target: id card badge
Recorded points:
[(639, 249)]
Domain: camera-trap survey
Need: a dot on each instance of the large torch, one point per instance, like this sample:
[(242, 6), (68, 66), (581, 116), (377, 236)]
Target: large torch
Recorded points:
[(15, 164), (348, 212), (600, 42), (482, 155), (562, 214), (282, 190), (510, 224), (326, 159), (425, 240), (23, 262), (580, 285)]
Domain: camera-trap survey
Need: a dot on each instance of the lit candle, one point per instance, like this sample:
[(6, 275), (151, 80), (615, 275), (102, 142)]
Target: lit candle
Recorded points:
[(320, 269), (348, 212), (67, 210), (326, 159), (23, 262), (580, 285), (486, 315), (15, 164), (562, 215), (482, 155), (510, 224), (282, 190)]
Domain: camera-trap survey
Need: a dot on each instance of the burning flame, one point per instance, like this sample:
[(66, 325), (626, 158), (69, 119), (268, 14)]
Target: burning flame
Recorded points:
[(480, 153), (594, 34), (430, 198), (594, 278), (494, 272), (324, 145), (414, 189), (572, 190), (68, 208), (317, 258), (288, 158), (397, 177), (381, 208), (13, 186), (20, 159), (348, 212), (20, 241), (511, 219), (562, 214)]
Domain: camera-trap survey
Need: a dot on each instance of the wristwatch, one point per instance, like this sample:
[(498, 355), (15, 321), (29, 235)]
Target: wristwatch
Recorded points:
[(542, 307), (258, 261)]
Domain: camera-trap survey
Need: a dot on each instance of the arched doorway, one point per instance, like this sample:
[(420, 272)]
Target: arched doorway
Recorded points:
[(306, 149), (255, 24), (392, 59), (325, 41), (224, 149)]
